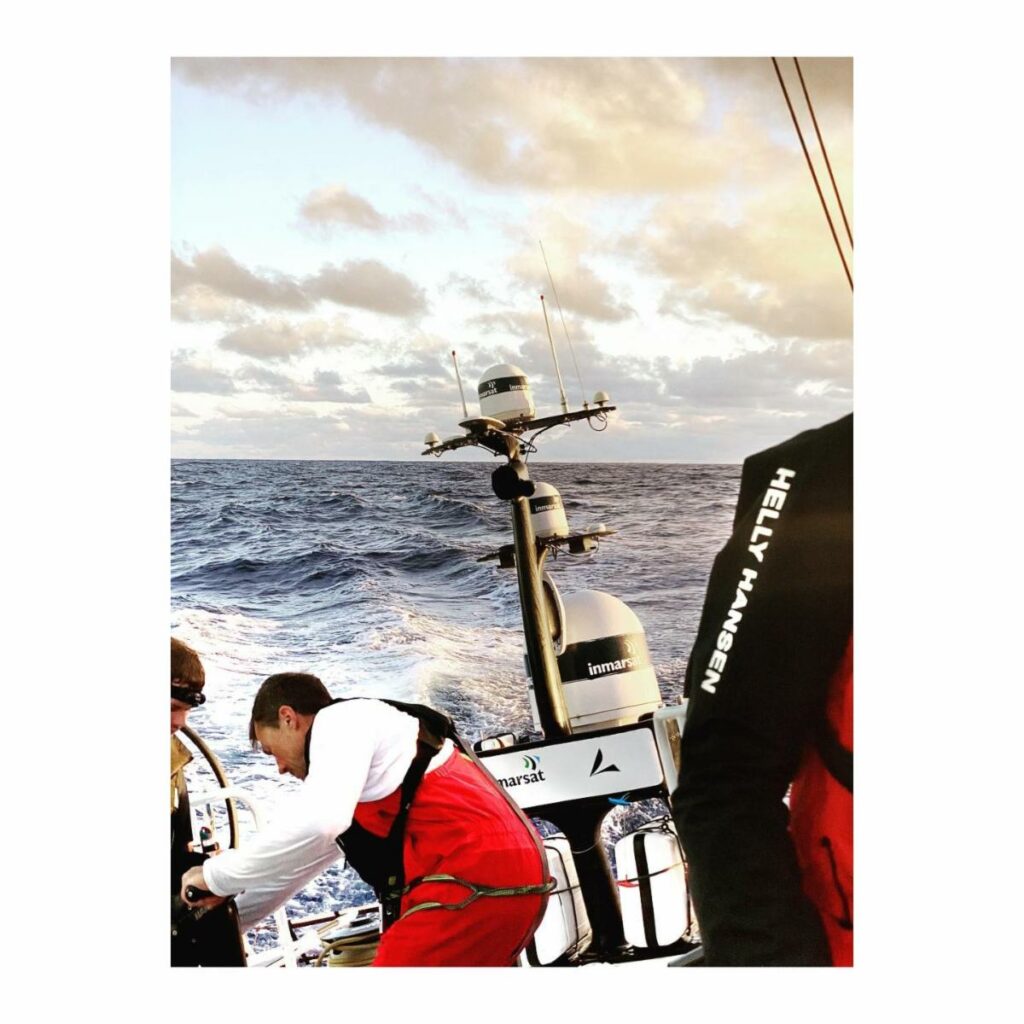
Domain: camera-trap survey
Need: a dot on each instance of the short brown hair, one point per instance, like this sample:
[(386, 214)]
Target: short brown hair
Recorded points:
[(186, 668), (298, 690)]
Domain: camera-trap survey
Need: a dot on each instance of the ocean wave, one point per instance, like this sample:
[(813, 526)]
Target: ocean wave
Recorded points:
[(366, 574)]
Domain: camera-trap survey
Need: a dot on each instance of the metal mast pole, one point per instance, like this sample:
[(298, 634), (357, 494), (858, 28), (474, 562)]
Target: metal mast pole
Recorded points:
[(547, 681)]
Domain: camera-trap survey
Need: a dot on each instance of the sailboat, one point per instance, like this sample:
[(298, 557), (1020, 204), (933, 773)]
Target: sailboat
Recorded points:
[(602, 739)]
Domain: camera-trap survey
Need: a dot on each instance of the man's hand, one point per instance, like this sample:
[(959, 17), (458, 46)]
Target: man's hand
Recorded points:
[(194, 878)]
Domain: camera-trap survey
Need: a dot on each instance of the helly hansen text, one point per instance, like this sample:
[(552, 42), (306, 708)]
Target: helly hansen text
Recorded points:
[(760, 537)]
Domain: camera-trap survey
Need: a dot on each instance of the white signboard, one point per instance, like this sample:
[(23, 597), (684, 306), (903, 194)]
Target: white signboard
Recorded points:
[(590, 766)]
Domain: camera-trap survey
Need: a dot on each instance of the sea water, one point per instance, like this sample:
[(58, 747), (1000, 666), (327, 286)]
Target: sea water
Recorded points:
[(367, 574)]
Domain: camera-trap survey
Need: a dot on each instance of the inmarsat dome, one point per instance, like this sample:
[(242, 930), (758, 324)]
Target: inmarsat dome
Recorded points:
[(505, 393)]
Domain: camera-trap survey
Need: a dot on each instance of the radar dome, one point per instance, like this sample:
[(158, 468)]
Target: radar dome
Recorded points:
[(505, 394)]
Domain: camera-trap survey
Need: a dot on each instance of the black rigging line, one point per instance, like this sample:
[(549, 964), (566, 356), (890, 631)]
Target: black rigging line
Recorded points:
[(824, 152), (824, 205)]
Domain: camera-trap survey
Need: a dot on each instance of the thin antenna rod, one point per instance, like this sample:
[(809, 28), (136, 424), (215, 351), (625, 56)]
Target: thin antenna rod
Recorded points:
[(458, 377), (572, 351), (558, 372)]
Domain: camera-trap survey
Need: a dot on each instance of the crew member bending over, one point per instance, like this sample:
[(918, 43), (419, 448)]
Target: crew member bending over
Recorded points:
[(459, 870)]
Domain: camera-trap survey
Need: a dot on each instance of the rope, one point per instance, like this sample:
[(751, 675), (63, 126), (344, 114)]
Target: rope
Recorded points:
[(824, 205), (352, 951), (824, 152), (476, 892)]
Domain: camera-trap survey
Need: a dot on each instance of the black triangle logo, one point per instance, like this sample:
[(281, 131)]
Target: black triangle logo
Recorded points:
[(598, 761)]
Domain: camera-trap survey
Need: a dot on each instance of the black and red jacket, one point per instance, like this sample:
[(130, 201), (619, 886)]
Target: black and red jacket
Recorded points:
[(771, 695)]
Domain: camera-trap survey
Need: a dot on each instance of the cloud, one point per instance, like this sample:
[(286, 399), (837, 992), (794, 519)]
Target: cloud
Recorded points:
[(277, 339), (198, 303), (323, 386), (419, 362), (265, 379), (395, 433), (568, 245), (334, 204), (468, 287), (368, 284), (792, 377), (201, 378), (579, 290), (510, 321), (215, 286), (774, 268), (689, 169), (621, 124), (263, 435), (591, 297), (183, 411), (218, 272), (754, 84), (709, 410), (448, 211), (426, 391), (737, 234), (788, 377), (326, 386)]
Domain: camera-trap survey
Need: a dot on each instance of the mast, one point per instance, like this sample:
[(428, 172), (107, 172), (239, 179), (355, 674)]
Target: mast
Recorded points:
[(512, 483)]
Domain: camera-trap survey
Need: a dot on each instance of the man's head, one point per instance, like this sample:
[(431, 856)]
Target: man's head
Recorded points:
[(187, 680), (282, 715)]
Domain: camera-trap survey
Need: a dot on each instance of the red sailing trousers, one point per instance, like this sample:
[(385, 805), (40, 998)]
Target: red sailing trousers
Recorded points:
[(460, 825)]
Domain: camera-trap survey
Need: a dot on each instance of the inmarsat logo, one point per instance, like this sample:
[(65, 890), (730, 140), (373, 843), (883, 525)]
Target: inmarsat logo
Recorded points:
[(533, 773), (626, 657), (598, 761)]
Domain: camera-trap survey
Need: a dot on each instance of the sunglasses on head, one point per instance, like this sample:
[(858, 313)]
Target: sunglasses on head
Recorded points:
[(193, 698)]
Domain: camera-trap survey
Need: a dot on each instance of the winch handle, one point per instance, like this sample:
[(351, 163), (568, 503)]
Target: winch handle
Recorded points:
[(194, 894)]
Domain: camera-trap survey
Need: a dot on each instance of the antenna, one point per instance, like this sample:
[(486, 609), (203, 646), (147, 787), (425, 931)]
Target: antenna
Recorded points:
[(558, 372), (572, 351), (458, 377)]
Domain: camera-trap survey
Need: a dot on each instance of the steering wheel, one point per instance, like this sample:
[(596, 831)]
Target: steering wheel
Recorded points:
[(222, 780)]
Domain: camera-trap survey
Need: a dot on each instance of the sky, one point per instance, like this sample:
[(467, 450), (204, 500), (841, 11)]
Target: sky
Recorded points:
[(340, 225)]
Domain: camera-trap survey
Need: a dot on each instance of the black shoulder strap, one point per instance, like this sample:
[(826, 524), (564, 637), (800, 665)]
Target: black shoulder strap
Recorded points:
[(380, 861), (435, 726)]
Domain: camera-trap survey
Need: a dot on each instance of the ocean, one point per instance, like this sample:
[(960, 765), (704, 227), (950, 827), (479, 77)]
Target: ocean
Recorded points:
[(367, 575)]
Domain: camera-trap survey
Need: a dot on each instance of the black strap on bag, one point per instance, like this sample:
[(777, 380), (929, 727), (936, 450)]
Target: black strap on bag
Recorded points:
[(646, 902)]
